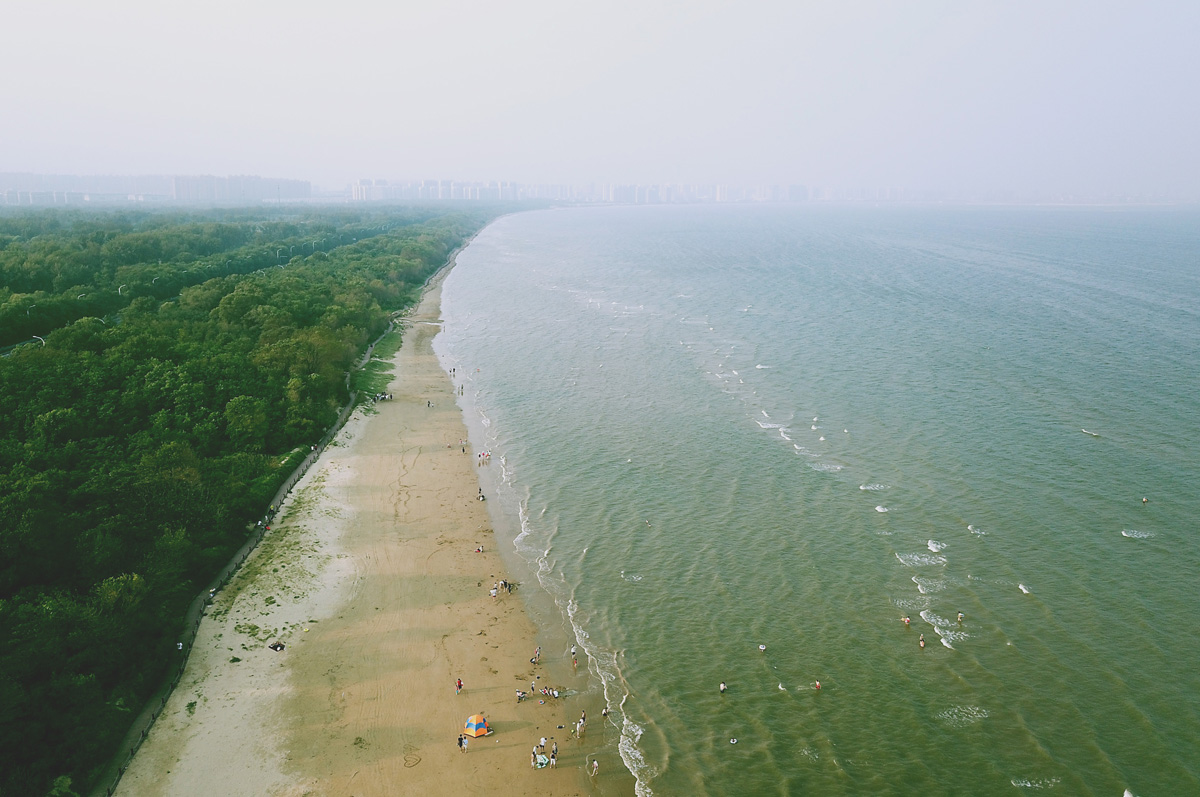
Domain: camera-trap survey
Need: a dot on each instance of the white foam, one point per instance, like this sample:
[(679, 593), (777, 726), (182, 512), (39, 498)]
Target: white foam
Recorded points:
[(882, 508), (762, 425), (962, 716), (632, 757), (921, 559), (1023, 588), (978, 532), (944, 629), (825, 467), (1043, 783), (928, 585), (873, 487), (935, 546), (1137, 535), (763, 366)]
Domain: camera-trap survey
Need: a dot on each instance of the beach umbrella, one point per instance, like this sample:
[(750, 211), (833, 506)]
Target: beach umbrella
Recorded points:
[(477, 726)]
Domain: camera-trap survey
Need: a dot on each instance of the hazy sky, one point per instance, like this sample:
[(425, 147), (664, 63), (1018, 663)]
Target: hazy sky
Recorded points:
[(1077, 96)]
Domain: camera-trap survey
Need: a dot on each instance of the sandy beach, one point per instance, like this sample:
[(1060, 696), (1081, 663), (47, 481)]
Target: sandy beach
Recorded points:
[(372, 583)]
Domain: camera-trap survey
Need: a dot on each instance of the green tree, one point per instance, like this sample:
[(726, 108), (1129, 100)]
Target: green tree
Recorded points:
[(246, 422)]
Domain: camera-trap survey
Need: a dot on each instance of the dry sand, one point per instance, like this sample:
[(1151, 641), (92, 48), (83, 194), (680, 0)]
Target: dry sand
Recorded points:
[(372, 582)]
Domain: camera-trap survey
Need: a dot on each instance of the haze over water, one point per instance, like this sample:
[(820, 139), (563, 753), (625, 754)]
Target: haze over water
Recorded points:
[(716, 428)]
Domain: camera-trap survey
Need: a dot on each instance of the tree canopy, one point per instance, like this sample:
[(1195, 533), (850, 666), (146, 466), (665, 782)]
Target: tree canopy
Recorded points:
[(158, 370)]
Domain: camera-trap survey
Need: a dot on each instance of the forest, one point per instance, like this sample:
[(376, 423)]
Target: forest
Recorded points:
[(160, 375)]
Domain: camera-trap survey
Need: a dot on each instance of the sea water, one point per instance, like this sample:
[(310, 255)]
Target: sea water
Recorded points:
[(740, 443)]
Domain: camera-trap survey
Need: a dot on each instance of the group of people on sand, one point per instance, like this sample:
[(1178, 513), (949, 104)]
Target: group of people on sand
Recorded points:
[(483, 458), (382, 397), (538, 759)]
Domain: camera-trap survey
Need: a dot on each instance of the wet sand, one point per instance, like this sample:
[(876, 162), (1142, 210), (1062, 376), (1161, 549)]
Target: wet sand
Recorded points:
[(372, 583)]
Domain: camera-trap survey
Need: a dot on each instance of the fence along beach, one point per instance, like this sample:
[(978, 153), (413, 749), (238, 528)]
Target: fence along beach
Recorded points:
[(373, 585)]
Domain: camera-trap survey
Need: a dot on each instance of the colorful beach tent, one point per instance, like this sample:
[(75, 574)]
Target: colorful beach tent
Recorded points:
[(477, 726)]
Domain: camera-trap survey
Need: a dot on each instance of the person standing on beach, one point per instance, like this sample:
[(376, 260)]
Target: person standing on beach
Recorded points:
[(458, 686), (595, 766), (553, 759), (542, 745)]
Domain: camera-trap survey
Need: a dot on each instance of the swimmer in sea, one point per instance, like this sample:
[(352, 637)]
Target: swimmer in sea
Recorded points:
[(960, 617), (922, 642), (818, 686), (722, 687), (906, 620)]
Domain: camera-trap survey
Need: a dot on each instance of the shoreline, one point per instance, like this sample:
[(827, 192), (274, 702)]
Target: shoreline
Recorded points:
[(372, 583)]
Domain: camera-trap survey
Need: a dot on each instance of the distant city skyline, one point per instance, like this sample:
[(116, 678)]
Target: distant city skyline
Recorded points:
[(41, 190)]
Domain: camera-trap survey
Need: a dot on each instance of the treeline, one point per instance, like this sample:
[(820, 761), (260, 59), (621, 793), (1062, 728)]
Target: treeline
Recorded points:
[(182, 364)]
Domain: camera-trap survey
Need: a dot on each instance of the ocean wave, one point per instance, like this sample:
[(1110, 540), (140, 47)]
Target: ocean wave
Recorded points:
[(762, 425), (632, 756), (941, 626), (760, 367), (882, 508), (632, 577), (1041, 783), (921, 559), (1137, 535), (916, 604), (962, 716), (978, 532), (928, 585), (935, 546), (825, 467), (874, 487)]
